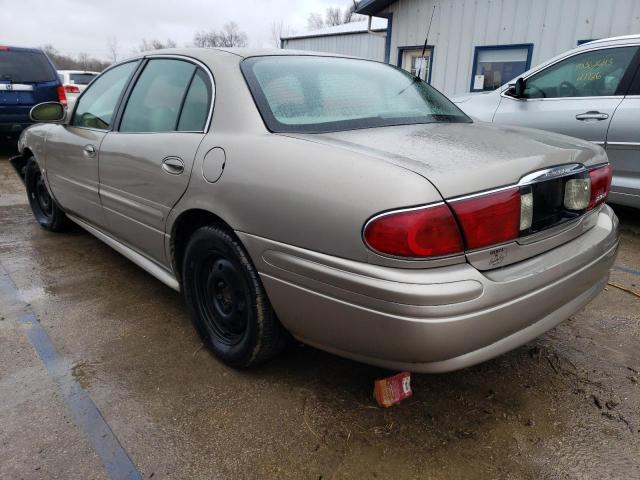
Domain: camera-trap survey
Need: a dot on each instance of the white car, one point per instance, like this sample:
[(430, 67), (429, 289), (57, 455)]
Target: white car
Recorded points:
[(75, 81), (591, 92)]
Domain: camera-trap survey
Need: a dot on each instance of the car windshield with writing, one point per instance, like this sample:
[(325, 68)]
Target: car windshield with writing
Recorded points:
[(312, 94)]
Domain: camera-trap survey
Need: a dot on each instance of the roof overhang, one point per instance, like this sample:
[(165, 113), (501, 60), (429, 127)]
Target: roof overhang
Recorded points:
[(372, 7)]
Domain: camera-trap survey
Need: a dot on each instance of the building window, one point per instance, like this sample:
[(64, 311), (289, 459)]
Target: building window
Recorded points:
[(411, 60), (494, 66), (582, 42)]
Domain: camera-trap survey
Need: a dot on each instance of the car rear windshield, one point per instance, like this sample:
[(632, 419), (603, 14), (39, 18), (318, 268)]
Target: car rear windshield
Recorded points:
[(82, 78), (313, 94), (20, 66)]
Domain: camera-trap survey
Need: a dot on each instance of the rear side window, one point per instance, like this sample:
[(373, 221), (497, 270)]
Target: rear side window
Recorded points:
[(591, 74), (155, 101), (196, 104), (82, 78), (25, 67), (97, 104)]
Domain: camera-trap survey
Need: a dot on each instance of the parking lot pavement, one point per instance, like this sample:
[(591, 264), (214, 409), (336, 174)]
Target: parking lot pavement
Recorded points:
[(87, 337)]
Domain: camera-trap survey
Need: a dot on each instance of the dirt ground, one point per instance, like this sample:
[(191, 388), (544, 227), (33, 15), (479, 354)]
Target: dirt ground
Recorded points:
[(566, 406)]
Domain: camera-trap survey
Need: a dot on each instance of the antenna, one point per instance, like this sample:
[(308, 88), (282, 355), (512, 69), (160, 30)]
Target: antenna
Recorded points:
[(426, 41)]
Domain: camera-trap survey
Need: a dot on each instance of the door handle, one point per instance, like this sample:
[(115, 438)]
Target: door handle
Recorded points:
[(173, 165), (592, 116), (89, 151)]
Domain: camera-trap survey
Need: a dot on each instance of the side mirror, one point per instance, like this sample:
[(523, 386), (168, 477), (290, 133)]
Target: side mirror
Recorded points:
[(48, 112), (518, 88)]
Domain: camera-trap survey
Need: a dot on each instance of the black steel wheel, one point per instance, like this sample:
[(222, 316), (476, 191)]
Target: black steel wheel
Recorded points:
[(228, 303), (45, 210)]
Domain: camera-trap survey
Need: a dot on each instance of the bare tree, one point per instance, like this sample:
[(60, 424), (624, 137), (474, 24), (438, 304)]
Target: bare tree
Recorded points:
[(334, 17), (112, 47), (65, 62), (315, 21), (280, 30), (83, 59), (229, 36), (156, 44)]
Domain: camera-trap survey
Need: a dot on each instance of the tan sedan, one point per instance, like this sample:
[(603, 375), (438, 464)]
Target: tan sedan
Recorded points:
[(339, 201)]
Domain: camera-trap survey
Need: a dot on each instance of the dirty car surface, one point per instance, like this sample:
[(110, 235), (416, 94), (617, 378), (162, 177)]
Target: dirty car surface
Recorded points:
[(335, 200)]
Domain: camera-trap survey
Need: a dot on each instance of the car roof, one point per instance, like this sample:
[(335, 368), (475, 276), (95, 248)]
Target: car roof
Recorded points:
[(21, 49), (204, 53), (624, 38)]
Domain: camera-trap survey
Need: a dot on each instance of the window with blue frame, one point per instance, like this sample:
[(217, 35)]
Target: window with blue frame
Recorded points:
[(495, 65)]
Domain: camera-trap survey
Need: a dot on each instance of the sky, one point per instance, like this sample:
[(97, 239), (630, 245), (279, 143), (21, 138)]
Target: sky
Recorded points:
[(85, 26)]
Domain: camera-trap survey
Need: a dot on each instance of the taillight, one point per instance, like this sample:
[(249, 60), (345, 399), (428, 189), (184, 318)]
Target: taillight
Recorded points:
[(489, 219), (62, 97), (429, 231), (4, 48), (600, 185), (71, 89)]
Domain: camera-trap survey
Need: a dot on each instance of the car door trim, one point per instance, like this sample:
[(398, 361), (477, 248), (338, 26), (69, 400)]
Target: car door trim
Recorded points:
[(143, 262), (122, 103)]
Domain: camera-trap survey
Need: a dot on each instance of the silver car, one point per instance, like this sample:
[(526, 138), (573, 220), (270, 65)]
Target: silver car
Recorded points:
[(591, 92), (339, 201)]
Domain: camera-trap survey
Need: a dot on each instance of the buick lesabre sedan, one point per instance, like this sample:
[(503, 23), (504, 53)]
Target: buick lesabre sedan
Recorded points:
[(339, 201)]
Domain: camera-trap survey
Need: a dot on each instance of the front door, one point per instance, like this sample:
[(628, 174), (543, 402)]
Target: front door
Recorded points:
[(576, 96), (145, 164), (72, 150)]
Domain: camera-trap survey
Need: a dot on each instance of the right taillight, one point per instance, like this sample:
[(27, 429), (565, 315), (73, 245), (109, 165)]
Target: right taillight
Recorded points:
[(429, 231), (600, 185)]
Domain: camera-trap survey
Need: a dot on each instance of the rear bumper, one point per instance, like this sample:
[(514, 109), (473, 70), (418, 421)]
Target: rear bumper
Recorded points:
[(432, 320)]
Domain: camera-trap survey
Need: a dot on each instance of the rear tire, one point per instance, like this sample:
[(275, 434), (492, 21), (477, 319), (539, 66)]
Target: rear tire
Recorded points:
[(45, 209), (228, 303)]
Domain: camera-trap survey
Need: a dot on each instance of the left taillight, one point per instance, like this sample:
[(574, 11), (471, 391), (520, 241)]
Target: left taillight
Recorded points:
[(422, 232), (71, 89), (600, 185), (62, 96), (489, 219)]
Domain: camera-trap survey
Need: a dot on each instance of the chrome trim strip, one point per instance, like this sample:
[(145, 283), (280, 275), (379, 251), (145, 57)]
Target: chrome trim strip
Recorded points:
[(551, 173), (480, 194), (149, 266), (16, 87), (624, 145)]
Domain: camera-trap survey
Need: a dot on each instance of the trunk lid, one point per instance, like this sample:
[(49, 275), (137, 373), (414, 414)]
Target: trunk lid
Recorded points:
[(461, 159)]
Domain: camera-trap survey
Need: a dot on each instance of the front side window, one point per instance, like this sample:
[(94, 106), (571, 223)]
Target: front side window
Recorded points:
[(325, 94), (495, 66), (591, 74), (156, 99), (96, 106)]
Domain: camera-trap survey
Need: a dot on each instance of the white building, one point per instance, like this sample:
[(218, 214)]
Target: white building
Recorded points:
[(349, 39), (479, 44)]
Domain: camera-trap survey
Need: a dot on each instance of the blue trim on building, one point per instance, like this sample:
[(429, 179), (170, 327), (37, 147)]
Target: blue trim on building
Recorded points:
[(431, 48), (528, 46), (387, 45), (372, 7)]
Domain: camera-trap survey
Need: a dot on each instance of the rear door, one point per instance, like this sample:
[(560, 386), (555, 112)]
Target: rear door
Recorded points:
[(576, 96), (623, 148), (72, 150), (146, 163), (26, 78)]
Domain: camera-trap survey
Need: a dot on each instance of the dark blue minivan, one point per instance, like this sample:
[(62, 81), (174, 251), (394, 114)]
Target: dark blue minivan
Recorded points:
[(27, 77)]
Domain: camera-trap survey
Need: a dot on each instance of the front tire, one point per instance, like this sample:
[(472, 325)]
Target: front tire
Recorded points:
[(228, 303), (45, 210)]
